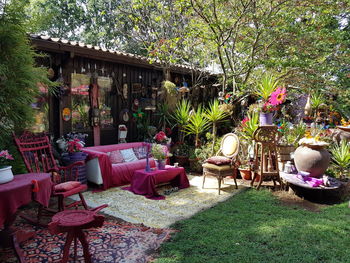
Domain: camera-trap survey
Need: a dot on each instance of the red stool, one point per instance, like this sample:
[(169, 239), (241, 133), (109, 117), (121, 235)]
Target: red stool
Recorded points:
[(73, 222)]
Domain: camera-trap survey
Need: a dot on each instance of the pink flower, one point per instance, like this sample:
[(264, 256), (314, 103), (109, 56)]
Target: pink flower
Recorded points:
[(74, 146), (244, 121), (5, 154), (278, 96), (160, 136)]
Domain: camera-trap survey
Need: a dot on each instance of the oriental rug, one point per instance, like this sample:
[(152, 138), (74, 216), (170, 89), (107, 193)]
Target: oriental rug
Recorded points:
[(177, 206), (114, 242)]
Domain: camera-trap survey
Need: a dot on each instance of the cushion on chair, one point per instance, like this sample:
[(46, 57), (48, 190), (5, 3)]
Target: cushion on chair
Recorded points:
[(229, 146), (66, 186), (218, 160), (115, 157), (140, 152), (217, 167), (129, 155)]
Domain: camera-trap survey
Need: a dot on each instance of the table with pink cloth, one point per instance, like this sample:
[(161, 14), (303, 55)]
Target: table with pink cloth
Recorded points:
[(23, 189), (144, 183)]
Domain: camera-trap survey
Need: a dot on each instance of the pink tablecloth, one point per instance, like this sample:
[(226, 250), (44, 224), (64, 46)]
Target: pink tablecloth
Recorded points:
[(19, 192), (144, 183)]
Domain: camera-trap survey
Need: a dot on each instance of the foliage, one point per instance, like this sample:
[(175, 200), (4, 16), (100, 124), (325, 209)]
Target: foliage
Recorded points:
[(249, 125), (341, 156), (215, 115), (181, 149), (197, 124), (160, 152), (164, 116), (204, 152), (5, 157), (169, 86), (291, 133), (254, 226), (181, 116), (317, 99), (266, 86), (75, 145)]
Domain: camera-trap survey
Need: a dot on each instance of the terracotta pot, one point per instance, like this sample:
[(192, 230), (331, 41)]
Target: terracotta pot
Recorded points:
[(246, 174), (314, 160)]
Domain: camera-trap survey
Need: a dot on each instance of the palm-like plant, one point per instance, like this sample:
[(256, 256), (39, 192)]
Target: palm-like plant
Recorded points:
[(266, 86), (214, 114), (164, 116), (182, 116), (317, 99), (197, 125), (249, 127), (341, 156)]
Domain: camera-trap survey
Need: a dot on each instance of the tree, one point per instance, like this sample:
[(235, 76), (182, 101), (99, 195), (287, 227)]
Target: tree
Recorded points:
[(18, 75)]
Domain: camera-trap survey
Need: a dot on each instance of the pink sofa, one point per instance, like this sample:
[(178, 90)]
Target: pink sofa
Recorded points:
[(108, 174)]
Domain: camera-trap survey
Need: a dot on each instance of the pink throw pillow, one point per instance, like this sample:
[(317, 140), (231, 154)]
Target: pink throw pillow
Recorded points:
[(66, 186), (219, 160), (116, 157)]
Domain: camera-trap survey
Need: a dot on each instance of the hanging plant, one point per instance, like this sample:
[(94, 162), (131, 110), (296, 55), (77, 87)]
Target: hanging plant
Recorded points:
[(169, 86)]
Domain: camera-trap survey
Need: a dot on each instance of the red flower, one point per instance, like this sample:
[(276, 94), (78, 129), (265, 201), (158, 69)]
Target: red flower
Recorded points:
[(160, 136), (74, 146), (168, 131), (244, 121)]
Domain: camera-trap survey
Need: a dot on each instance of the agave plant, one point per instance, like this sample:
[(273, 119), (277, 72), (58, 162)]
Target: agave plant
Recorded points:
[(197, 125), (250, 125), (164, 116), (214, 114), (181, 116), (317, 99), (266, 86), (341, 156)]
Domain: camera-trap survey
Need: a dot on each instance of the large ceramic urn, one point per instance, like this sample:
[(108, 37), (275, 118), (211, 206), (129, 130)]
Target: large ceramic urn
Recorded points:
[(311, 158)]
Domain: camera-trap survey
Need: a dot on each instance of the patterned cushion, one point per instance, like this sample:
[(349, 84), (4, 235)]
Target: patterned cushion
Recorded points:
[(115, 157), (140, 152), (129, 155), (66, 186), (219, 160)]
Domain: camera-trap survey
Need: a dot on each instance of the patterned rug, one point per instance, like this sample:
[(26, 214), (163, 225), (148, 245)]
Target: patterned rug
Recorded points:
[(114, 242), (162, 213)]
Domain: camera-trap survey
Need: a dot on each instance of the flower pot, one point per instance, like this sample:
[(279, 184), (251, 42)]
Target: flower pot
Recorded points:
[(246, 173), (195, 165), (265, 118), (314, 160), (6, 174), (161, 164)]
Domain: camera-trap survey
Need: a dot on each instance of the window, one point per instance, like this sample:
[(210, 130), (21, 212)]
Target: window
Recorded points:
[(105, 101), (41, 110), (80, 102)]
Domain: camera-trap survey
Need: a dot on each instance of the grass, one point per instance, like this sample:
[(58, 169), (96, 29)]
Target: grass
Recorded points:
[(255, 227)]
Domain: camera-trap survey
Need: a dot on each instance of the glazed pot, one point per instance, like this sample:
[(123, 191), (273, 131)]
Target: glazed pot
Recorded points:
[(312, 159), (6, 175), (246, 174), (265, 118)]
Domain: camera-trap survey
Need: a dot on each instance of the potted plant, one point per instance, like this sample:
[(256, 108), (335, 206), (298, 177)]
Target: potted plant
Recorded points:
[(195, 163), (181, 152), (197, 125), (341, 158), (160, 153), (245, 131), (181, 116), (6, 174)]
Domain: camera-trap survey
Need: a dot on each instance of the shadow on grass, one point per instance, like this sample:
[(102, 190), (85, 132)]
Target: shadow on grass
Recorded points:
[(254, 227)]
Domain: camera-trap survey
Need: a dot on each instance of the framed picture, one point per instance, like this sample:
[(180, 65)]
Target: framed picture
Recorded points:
[(136, 88)]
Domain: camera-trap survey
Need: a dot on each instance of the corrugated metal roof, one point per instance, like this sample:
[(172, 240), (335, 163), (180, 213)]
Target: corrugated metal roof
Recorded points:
[(91, 47)]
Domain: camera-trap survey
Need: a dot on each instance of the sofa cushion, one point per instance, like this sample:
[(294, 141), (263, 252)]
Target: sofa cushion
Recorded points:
[(128, 155), (140, 152), (219, 160), (115, 157), (66, 186)]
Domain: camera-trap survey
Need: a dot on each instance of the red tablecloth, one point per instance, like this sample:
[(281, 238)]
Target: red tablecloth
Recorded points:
[(144, 183), (19, 192)]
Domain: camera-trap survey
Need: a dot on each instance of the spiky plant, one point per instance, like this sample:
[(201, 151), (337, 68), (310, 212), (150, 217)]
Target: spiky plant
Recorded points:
[(197, 125), (266, 86), (341, 156), (181, 116), (215, 115)]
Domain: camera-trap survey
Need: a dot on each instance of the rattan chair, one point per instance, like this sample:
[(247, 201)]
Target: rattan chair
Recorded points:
[(229, 148)]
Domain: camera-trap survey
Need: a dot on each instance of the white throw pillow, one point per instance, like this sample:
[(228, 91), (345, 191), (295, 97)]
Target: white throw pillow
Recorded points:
[(129, 155)]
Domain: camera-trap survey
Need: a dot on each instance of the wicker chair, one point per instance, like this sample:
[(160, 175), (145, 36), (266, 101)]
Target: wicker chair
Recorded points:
[(229, 148)]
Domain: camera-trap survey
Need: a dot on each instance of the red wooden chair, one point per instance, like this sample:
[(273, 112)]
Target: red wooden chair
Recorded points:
[(38, 157)]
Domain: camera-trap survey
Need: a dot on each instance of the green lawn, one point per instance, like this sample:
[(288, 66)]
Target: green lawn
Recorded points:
[(254, 227)]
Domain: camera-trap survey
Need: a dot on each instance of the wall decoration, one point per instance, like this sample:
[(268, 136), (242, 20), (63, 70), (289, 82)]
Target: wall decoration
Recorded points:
[(136, 88), (66, 114), (125, 91), (124, 115)]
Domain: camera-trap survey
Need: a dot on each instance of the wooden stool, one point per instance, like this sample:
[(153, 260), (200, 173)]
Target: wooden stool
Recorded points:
[(73, 222), (265, 154)]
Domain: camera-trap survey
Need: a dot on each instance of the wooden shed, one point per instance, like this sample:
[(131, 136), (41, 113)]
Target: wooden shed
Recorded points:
[(101, 89)]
